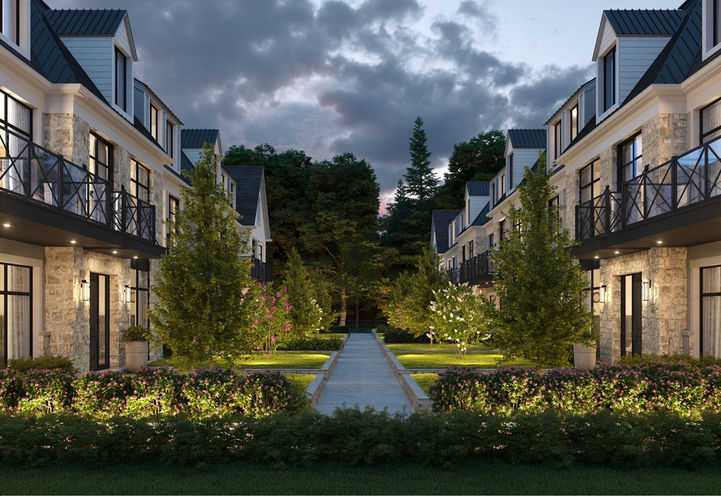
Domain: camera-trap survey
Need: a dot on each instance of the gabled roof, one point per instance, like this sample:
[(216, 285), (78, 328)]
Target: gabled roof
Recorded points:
[(195, 138), (644, 22), (248, 181), (86, 22), (577, 92), (185, 165), (441, 219), (482, 218), (478, 188), (527, 138), (160, 100)]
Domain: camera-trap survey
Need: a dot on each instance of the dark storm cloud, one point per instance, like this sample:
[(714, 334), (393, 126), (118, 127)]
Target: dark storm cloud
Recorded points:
[(335, 77)]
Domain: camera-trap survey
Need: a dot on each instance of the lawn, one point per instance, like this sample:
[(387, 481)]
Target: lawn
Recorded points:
[(276, 361), (445, 360), (467, 478), (435, 347), (425, 380), (301, 380)]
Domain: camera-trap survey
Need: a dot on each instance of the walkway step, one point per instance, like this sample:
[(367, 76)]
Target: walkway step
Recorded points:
[(363, 378)]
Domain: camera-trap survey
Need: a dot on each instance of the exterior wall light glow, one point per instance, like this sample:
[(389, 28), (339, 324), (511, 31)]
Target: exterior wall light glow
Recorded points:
[(85, 290), (127, 294), (602, 294), (645, 290)]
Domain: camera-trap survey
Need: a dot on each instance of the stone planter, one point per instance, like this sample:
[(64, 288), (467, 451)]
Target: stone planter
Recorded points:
[(136, 355), (584, 357)]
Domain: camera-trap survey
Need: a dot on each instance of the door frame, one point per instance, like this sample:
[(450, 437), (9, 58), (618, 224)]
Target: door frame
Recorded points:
[(636, 314), (701, 296), (94, 321)]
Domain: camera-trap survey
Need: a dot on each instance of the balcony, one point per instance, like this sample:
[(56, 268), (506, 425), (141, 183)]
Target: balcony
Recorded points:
[(675, 204), (50, 201), (476, 271), (261, 271)]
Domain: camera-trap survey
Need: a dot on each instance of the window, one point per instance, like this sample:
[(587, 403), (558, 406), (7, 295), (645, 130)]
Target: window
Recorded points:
[(173, 207), (470, 249), (139, 181), (10, 20), (154, 114), (557, 140), (232, 193), (169, 138), (16, 308), (260, 253), (710, 326), (121, 79), (501, 230), (573, 123), (15, 117), (491, 243), (100, 157), (140, 293), (630, 154), (609, 79), (493, 194), (15, 132), (224, 182), (502, 185), (463, 253), (716, 19), (510, 171), (711, 121), (593, 293), (554, 205), (589, 182)]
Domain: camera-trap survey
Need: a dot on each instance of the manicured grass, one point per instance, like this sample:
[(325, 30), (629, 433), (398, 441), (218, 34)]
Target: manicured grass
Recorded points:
[(425, 380), (444, 360), (276, 361), (467, 478), (435, 347), (301, 380)]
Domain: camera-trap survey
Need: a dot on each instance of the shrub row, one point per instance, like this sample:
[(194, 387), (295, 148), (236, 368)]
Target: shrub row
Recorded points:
[(41, 363), (703, 361), (674, 387), (366, 438), (313, 343), (400, 336), (149, 392)]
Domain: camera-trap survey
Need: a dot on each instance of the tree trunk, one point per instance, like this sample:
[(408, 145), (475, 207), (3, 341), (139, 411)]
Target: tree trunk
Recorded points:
[(343, 307)]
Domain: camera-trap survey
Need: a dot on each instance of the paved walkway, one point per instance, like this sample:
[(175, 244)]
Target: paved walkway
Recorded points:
[(362, 377)]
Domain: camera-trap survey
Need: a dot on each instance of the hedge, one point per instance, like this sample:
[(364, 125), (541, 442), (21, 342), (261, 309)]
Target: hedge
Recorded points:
[(314, 343), (679, 388), (392, 335), (356, 437), (149, 392)]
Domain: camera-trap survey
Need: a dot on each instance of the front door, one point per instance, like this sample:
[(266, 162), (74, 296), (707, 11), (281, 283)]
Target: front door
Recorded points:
[(99, 321), (631, 334), (710, 311)]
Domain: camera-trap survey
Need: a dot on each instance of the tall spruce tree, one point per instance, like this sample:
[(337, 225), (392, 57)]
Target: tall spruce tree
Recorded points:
[(538, 312), (421, 182), (204, 301)]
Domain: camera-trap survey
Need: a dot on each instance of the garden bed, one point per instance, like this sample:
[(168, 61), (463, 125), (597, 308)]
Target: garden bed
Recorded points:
[(436, 348), (434, 361), (281, 361)]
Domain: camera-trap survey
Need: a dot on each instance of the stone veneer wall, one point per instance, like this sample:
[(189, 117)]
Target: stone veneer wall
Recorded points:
[(67, 135), (664, 317), (664, 137)]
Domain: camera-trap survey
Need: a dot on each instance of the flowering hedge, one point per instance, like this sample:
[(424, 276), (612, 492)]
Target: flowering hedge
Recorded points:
[(674, 387), (150, 392)]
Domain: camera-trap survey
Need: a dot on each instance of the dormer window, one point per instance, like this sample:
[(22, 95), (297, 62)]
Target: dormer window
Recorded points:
[(711, 122), (169, 138), (716, 20), (510, 171), (121, 78), (502, 184), (573, 123), (557, 140), (10, 20), (609, 79), (154, 120), (468, 211)]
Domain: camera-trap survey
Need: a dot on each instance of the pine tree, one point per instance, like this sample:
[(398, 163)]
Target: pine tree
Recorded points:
[(538, 312), (204, 301), (421, 182), (308, 294)]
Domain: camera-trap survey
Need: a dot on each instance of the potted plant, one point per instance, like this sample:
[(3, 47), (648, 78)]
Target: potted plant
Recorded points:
[(136, 339)]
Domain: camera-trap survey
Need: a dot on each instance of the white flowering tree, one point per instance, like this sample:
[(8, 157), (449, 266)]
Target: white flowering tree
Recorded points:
[(456, 316)]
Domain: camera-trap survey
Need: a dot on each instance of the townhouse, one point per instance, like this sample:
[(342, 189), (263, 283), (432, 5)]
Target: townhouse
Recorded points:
[(635, 156), (91, 169)]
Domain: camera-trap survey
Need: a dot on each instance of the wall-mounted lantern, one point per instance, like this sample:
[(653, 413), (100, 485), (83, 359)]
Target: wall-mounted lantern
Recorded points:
[(127, 294), (602, 294), (645, 290), (85, 290)]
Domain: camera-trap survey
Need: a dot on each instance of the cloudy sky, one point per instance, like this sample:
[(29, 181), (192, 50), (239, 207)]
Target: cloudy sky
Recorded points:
[(332, 76)]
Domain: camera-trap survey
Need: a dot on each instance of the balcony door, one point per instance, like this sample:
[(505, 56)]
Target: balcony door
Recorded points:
[(99, 321), (710, 325), (631, 331)]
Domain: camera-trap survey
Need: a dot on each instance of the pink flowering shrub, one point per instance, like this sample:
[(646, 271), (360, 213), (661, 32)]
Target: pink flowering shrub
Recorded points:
[(101, 394), (672, 387), (271, 324), (45, 391)]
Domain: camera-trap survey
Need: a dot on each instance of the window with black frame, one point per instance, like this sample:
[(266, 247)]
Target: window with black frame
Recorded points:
[(630, 155), (173, 207), (140, 293), (10, 20), (711, 121), (169, 138), (557, 140), (609, 79), (15, 132), (716, 21), (573, 122), (100, 157), (471, 248), (121, 78), (16, 312), (510, 172), (154, 116), (139, 181), (589, 182)]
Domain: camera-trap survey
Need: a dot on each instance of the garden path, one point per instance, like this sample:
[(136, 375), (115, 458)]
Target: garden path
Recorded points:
[(363, 377)]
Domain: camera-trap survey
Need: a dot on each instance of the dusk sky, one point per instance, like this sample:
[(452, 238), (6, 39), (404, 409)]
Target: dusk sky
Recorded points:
[(351, 75)]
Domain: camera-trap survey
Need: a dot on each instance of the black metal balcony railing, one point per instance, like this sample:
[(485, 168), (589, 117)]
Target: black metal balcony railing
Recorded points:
[(690, 179), (36, 173), (473, 271), (261, 271)]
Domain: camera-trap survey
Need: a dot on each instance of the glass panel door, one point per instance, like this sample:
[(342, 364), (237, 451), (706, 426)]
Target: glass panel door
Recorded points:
[(631, 332), (16, 314), (710, 326), (99, 321)]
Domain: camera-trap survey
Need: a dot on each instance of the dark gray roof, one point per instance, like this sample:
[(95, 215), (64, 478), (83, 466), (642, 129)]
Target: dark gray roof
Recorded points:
[(86, 22), (644, 22), (568, 100), (482, 218), (195, 138), (185, 164), (441, 219), (527, 138), (248, 180), (153, 93), (478, 188)]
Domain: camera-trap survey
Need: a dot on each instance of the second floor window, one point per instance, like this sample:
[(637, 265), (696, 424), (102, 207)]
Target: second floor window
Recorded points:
[(100, 157), (173, 207), (139, 181), (502, 184), (169, 138), (491, 242), (716, 20), (711, 121), (501, 230), (573, 122), (630, 156), (557, 140), (10, 20), (121, 78), (470, 249), (609, 79), (154, 114), (15, 116), (510, 171), (463, 254), (589, 182)]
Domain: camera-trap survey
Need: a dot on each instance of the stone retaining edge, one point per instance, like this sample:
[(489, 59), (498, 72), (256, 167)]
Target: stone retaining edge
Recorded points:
[(315, 388), (418, 398)]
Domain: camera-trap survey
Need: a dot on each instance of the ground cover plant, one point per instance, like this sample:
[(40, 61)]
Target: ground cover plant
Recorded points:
[(257, 361), (448, 347), (444, 360), (147, 393), (302, 381), (679, 388), (425, 381)]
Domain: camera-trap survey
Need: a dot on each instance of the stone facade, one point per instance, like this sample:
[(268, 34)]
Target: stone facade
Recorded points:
[(664, 137), (67, 135)]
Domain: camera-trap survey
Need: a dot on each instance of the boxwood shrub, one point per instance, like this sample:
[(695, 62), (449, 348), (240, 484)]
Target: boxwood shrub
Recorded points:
[(150, 392), (678, 387), (400, 336), (315, 343)]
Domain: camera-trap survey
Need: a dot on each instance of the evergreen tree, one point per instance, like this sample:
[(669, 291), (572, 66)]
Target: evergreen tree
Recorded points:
[(204, 303), (308, 297), (539, 311), (421, 182)]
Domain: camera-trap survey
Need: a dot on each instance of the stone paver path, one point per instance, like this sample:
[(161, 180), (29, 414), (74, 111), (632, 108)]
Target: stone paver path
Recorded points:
[(363, 377)]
